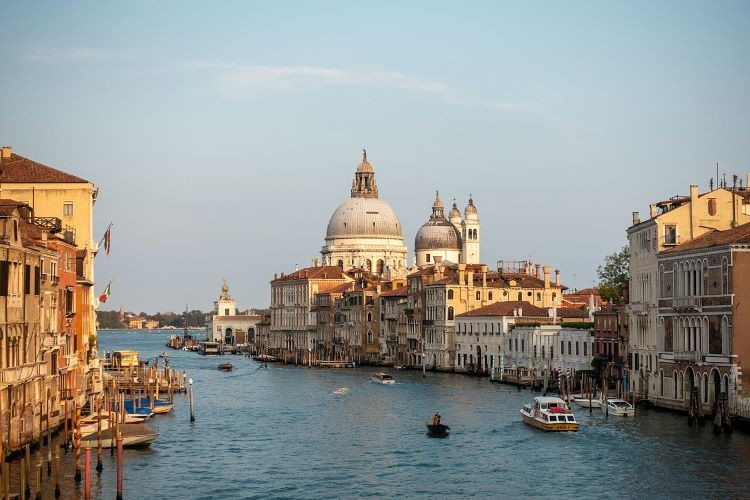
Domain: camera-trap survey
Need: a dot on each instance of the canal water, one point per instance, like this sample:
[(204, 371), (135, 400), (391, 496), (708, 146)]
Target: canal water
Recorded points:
[(285, 432)]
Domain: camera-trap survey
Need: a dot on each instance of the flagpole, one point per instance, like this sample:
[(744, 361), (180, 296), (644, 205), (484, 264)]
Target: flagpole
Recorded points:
[(106, 231)]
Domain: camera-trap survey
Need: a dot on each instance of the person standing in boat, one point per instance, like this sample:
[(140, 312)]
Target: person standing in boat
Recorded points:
[(436, 419)]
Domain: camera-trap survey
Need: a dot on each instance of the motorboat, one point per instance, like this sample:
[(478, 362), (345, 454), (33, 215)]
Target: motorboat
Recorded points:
[(618, 407), (549, 414), (382, 378), (225, 367), (437, 430), (584, 401), (163, 354), (133, 436)]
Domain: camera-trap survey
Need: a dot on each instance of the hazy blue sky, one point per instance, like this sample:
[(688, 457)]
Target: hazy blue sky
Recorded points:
[(223, 135)]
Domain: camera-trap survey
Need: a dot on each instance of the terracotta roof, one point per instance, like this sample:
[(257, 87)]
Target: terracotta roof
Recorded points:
[(571, 312), (737, 235), (319, 273), (18, 169), (339, 288), (398, 292), (7, 210), (506, 309)]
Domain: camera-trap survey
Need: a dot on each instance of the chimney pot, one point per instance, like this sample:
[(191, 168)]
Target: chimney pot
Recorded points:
[(546, 270), (557, 276), (7, 151)]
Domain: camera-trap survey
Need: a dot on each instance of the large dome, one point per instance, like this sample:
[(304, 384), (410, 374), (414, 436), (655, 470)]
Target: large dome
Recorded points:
[(437, 234), (364, 217)]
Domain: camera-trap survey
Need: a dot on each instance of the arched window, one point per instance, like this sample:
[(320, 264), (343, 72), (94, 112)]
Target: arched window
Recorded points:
[(450, 312), (520, 296), (369, 316), (538, 296), (380, 266), (489, 295), (368, 265), (340, 263), (674, 383), (450, 294), (724, 275), (479, 295), (369, 336)]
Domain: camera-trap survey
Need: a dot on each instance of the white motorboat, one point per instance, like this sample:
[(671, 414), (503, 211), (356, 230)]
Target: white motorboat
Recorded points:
[(584, 401), (618, 407), (549, 414), (382, 378)]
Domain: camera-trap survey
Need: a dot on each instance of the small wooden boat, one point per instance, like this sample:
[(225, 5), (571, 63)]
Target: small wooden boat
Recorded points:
[(133, 436), (225, 367), (437, 430), (549, 414)]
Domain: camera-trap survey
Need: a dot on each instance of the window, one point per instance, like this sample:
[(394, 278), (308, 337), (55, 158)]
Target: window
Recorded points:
[(570, 351), (428, 257), (479, 295), (27, 279), (712, 206), (450, 294), (577, 353), (489, 296), (562, 347), (68, 209), (369, 316), (520, 296), (522, 345), (226, 312), (670, 234), (450, 313), (585, 346)]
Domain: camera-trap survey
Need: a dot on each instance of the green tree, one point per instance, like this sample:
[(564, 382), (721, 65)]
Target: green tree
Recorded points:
[(613, 273)]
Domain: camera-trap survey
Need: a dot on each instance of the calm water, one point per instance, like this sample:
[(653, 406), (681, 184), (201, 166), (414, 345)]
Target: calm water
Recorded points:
[(282, 432)]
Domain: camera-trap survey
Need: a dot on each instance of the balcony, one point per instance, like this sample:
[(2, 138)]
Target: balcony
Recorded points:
[(55, 280), (44, 277), (428, 322), (23, 372), (687, 356), (692, 304)]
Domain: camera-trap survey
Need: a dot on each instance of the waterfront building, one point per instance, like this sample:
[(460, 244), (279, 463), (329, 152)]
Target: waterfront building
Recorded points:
[(703, 319), (481, 335), (611, 338), (588, 298), (455, 240), (364, 232), (357, 318), (329, 347), (64, 203), (292, 331), (262, 337), (671, 223), (393, 323), (227, 327), (549, 349)]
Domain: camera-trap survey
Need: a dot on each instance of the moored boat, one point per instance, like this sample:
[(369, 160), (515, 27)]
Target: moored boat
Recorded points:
[(382, 378), (584, 401), (549, 414), (133, 436), (618, 407), (437, 430)]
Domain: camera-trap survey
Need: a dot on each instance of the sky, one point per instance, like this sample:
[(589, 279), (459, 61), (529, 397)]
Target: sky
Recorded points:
[(223, 135)]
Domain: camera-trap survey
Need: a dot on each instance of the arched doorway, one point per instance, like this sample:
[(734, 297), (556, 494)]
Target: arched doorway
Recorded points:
[(479, 359), (716, 386), (228, 336)]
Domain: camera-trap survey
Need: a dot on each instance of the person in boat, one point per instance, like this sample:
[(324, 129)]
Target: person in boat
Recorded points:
[(436, 419)]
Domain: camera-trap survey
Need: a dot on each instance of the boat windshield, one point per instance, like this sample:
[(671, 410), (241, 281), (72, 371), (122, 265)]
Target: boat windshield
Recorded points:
[(620, 404)]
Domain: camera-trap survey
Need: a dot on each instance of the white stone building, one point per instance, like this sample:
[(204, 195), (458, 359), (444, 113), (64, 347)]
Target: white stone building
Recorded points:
[(226, 326), (364, 232)]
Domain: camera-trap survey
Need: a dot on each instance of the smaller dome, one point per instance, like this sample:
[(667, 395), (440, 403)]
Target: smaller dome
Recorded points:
[(438, 203), (455, 213), (471, 210), (437, 234)]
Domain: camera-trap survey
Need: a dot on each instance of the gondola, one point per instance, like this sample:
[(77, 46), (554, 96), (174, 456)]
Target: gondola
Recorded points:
[(438, 430)]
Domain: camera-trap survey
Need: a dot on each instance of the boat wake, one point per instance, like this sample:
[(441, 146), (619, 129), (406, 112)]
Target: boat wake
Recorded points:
[(340, 391)]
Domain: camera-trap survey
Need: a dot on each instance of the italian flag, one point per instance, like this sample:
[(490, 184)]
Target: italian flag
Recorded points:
[(103, 297)]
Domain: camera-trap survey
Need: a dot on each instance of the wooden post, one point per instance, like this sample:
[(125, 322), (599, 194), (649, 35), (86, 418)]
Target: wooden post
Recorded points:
[(24, 486), (119, 466), (87, 475), (57, 473), (65, 427), (27, 472), (38, 495), (77, 476), (6, 480), (192, 404), (99, 465)]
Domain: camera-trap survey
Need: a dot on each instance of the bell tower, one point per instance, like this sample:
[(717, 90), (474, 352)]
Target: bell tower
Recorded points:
[(470, 234)]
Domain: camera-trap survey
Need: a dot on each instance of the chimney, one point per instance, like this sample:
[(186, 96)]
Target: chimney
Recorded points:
[(693, 211), (7, 151), (275, 276), (377, 289), (546, 270), (557, 277), (470, 277), (484, 275), (461, 270), (537, 269)]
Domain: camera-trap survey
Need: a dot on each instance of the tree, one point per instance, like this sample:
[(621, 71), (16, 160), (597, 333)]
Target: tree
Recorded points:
[(613, 274)]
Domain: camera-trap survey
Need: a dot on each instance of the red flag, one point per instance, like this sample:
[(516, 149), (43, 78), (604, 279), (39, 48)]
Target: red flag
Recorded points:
[(107, 243), (103, 297)]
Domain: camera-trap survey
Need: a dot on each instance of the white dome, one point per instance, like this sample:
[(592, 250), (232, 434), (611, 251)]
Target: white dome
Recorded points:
[(364, 217)]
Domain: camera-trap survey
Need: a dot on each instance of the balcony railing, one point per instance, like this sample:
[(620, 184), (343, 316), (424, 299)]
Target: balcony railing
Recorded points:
[(687, 356)]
